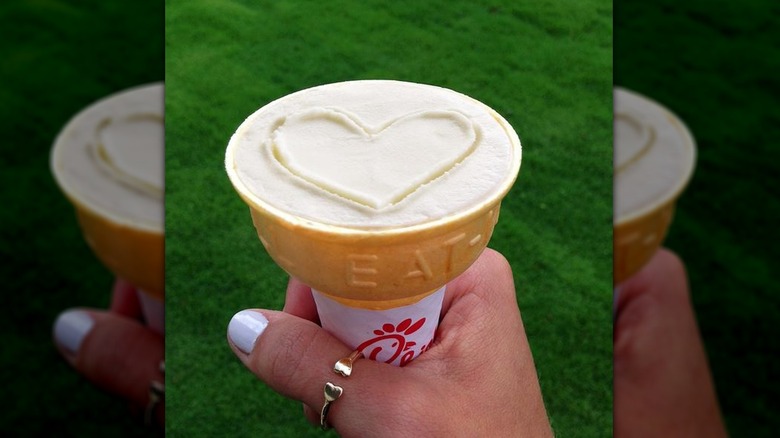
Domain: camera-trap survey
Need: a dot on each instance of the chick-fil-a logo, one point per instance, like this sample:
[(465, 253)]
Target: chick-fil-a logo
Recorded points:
[(394, 338)]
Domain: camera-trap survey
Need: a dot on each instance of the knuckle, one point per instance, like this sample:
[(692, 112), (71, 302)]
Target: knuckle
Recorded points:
[(284, 360), (287, 358)]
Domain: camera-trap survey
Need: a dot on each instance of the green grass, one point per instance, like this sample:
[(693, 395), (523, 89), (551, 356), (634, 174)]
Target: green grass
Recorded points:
[(715, 65), (547, 68), (57, 58)]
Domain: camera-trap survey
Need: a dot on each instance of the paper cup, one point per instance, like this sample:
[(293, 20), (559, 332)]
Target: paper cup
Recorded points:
[(654, 160), (394, 335), (116, 189), (378, 290)]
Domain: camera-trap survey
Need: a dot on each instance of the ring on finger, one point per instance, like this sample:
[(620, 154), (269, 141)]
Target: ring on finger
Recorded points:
[(156, 395), (332, 393), (344, 366)]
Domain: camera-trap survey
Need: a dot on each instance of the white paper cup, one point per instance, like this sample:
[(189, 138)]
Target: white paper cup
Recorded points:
[(394, 336)]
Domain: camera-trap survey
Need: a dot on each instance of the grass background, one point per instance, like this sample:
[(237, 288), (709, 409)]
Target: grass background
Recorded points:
[(57, 57), (716, 65), (546, 66)]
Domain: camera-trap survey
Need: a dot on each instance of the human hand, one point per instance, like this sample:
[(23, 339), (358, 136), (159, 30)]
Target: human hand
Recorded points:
[(662, 382), (114, 349), (477, 379)]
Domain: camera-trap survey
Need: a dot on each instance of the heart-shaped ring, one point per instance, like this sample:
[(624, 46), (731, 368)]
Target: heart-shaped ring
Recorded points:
[(344, 366), (332, 393)]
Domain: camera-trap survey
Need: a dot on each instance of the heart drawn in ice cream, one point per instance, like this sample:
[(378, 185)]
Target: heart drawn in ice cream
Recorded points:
[(375, 166), (634, 137), (128, 150)]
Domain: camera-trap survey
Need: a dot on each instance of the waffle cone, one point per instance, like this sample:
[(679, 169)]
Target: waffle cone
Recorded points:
[(134, 254), (635, 241), (375, 269)]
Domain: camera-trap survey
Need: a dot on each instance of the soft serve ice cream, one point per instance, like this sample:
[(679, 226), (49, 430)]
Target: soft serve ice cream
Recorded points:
[(375, 193), (109, 158), (373, 154)]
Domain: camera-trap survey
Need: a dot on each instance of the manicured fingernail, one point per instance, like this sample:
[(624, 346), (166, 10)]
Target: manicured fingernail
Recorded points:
[(70, 329), (245, 327)]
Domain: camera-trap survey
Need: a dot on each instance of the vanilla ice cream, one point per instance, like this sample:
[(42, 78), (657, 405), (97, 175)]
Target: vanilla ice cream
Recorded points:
[(373, 154), (110, 157), (654, 155)]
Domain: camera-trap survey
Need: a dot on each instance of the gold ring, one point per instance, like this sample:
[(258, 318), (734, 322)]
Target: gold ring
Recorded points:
[(332, 393), (156, 395), (344, 366)]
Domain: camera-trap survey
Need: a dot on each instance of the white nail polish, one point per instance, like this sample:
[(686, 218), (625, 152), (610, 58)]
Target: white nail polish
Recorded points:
[(70, 329), (245, 327)]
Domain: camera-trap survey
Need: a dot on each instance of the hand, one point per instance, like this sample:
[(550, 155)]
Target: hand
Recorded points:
[(663, 386), (477, 379), (114, 349)]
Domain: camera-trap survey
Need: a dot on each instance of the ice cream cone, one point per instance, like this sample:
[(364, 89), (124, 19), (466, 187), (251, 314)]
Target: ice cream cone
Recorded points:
[(374, 269), (360, 268), (654, 160), (132, 253), (117, 195)]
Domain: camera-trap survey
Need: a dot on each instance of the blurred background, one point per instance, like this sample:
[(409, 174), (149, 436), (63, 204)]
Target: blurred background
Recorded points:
[(57, 58), (716, 64), (546, 66)]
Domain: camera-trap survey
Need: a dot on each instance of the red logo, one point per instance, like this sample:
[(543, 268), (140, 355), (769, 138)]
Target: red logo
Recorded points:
[(393, 337)]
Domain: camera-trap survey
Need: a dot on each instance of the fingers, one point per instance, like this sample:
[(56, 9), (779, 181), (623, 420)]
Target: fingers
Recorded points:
[(481, 353), (124, 299), (489, 278), (654, 306), (299, 301), (662, 382), (482, 320), (295, 357), (118, 354), (480, 306)]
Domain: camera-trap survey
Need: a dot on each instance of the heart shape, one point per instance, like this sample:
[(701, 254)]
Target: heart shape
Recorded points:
[(343, 367), (373, 166), (636, 139), (332, 392), (128, 149)]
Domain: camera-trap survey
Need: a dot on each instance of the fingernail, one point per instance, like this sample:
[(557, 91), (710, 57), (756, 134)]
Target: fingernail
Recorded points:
[(245, 327), (70, 329)]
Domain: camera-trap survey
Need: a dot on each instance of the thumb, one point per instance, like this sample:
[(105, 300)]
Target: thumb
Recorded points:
[(117, 354), (295, 357)]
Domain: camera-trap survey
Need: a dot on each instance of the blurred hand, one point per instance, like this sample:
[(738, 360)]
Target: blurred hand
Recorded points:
[(662, 382), (114, 349), (477, 379)]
